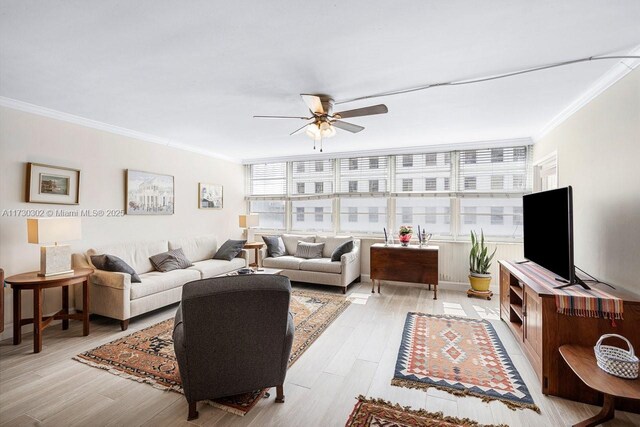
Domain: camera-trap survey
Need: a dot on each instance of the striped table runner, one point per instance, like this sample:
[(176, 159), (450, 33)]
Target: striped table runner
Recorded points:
[(573, 300)]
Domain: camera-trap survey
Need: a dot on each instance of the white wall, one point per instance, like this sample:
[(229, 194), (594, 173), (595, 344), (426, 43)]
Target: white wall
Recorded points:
[(102, 158), (598, 153)]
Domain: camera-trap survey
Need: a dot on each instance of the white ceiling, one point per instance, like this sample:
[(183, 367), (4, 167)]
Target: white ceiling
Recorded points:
[(196, 72)]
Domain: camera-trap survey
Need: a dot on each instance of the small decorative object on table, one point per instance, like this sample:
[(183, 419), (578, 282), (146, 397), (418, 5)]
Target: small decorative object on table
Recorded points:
[(406, 231), (479, 264), (617, 361)]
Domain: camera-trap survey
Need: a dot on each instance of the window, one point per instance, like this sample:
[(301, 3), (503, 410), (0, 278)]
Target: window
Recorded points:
[(497, 155), (469, 182), (431, 213), (445, 184), (373, 163), (353, 164), (300, 166), (312, 215), (300, 188), (431, 159), (299, 214), (407, 215), (373, 214), (496, 215), (407, 160), (320, 166), (268, 179), (312, 176), (374, 186), (353, 213), (319, 214), (518, 182), (469, 214), (497, 182), (319, 187), (447, 158), (370, 172), (519, 154), (272, 213), (353, 186), (407, 184), (517, 215), (356, 214), (468, 157), (431, 184)]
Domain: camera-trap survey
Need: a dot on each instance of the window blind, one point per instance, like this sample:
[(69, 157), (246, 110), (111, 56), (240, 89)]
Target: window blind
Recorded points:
[(499, 170), (268, 179), (312, 177), (364, 175), (429, 172)]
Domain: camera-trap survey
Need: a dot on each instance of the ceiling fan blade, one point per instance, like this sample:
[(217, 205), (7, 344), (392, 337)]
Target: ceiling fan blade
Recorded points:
[(366, 111), (297, 131), (350, 127), (313, 102), (281, 117)]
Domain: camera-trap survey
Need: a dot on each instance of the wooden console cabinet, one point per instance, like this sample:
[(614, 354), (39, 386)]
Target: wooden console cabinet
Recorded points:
[(411, 264), (530, 312)]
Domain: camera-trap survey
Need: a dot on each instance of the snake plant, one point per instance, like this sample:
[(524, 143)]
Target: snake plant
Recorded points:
[(479, 259)]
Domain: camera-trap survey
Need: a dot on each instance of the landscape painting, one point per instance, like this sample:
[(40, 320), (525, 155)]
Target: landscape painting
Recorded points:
[(149, 193), (54, 184), (210, 196)]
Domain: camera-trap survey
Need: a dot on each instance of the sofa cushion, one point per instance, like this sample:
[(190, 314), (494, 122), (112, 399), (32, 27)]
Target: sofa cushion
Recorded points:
[(196, 248), (275, 246), (309, 250), (114, 264), (155, 282), (286, 262), (291, 242), (215, 267), (322, 265), (344, 248), (135, 254), (173, 259), (229, 250), (331, 243)]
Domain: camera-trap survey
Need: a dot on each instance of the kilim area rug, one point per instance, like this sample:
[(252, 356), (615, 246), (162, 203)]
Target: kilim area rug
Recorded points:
[(380, 413), (147, 355), (461, 356)]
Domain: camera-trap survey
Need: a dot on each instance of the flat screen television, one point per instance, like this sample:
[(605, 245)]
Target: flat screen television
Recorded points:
[(548, 232)]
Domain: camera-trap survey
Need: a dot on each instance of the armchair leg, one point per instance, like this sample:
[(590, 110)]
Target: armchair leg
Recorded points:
[(193, 413), (344, 290), (279, 394), (124, 324)]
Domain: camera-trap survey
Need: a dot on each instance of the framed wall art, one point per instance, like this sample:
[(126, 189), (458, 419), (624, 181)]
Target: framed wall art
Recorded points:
[(52, 184), (149, 193), (210, 196)]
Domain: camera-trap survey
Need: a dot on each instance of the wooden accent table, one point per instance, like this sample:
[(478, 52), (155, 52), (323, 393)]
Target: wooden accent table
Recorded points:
[(256, 246), (36, 283), (582, 361), (412, 264)]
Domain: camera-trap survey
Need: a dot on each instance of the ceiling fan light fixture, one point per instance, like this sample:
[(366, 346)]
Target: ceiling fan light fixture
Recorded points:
[(313, 131)]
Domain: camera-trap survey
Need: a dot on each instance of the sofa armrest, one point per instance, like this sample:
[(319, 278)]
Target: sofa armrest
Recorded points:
[(111, 279), (350, 266), (244, 253), (263, 254), (350, 257)]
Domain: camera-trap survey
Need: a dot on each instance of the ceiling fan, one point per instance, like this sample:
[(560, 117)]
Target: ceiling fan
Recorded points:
[(324, 120)]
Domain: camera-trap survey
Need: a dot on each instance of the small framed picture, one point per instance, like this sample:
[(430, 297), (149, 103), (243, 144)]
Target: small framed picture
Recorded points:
[(149, 193), (210, 196), (52, 184)]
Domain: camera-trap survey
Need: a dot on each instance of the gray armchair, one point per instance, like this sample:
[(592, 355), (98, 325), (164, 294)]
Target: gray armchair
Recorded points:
[(233, 335)]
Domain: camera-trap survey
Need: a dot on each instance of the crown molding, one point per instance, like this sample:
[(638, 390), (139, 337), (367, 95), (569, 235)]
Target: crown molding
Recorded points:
[(616, 73), (436, 148), (70, 118)]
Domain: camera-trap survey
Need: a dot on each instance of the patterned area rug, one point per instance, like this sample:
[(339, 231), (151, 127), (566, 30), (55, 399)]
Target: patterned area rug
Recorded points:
[(147, 356), (461, 356), (380, 413)]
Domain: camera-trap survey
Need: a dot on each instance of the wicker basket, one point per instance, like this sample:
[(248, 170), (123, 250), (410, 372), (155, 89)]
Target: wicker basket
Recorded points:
[(617, 361)]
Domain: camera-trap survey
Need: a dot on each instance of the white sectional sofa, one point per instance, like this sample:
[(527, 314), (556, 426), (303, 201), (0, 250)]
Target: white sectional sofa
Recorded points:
[(319, 270), (113, 295)]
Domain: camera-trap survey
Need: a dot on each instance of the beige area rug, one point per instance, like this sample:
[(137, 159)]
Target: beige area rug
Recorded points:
[(147, 355)]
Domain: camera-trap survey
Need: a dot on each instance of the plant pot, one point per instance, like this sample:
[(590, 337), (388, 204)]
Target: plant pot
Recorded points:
[(404, 239), (480, 282)]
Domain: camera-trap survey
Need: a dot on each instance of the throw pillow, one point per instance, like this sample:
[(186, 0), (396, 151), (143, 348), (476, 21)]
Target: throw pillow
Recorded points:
[(114, 264), (275, 246), (174, 259), (344, 248), (229, 249), (309, 250)]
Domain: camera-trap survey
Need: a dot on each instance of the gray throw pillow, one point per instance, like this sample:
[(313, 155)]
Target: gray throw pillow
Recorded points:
[(275, 246), (174, 259), (229, 249), (344, 248), (114, 264), (309, 250)]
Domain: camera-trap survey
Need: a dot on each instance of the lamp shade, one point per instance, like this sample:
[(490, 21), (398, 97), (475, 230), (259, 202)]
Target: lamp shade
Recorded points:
[(53, 230), (248, 221)]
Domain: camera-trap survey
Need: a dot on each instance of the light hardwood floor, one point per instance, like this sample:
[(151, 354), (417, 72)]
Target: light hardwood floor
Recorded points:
[(355, 355)]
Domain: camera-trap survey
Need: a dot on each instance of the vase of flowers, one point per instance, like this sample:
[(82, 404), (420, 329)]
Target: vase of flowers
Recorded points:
[(406, 231)]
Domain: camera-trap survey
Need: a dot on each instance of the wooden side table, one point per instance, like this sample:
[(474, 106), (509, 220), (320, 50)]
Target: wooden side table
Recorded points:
[(412, 264), (582, 361), (31, 281), (256, 246)]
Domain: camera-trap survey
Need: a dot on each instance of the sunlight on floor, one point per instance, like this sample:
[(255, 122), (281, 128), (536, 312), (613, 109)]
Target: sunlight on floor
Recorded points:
[(488, 314), (358, 298), (453, 309)]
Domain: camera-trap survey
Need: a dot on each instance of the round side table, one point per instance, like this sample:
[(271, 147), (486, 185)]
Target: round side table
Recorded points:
[(31, 281), (256, 246)]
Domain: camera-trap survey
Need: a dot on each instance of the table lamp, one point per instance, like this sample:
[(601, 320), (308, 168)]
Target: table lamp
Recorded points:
[(249, 221), (54, 259)]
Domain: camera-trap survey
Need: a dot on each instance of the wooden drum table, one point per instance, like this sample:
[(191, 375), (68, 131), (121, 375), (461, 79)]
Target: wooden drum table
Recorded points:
[(31, 281)]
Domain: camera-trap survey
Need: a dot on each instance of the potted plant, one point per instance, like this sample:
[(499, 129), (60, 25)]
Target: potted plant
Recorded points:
[(479, 263), (405, 234)]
